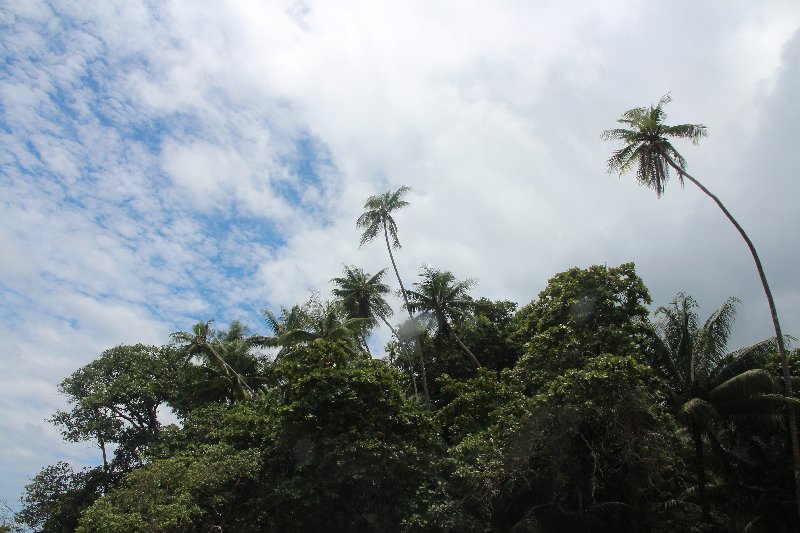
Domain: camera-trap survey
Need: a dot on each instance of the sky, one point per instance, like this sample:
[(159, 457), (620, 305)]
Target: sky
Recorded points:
[(169, 162)]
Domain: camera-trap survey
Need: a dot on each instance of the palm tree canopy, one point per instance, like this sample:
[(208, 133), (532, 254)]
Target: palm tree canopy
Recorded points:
[(440, 298), (647, 146), (314, 320), (706, 380), (362, 295), (226, 356), (378, 215)]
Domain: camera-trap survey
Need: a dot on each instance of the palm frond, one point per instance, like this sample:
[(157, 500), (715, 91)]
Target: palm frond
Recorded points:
[(741, 360), (744, 385), (618, 134), (693, 132), (759, 405), (711, 340), (273, 321), (635, 116), (391, 228)]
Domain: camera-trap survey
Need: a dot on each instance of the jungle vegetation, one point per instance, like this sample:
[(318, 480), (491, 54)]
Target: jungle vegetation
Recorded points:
[(576, 411)]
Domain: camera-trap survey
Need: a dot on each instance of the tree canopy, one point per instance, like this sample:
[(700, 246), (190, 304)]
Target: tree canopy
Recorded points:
[(577, 411)]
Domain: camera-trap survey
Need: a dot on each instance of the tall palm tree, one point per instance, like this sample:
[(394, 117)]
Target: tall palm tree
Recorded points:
[(706, 382), (376, 217), (361, 296), (442, 300), (648, 149)]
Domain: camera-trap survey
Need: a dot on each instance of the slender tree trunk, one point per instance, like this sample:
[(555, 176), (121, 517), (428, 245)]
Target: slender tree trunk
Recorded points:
[(247, 392), (787, 376), (700, 470), (417, 344), (408, 355), (365, 345), (464, 347), (101, 442), (418, 348), (105, 455)]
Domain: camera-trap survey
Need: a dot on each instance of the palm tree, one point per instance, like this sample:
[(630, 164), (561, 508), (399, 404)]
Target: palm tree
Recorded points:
[(234, 346), (296, 318), (647, 148), (442, 300), (376, 217), (220, 355), (707, 383), (316, 321), (361, 296)]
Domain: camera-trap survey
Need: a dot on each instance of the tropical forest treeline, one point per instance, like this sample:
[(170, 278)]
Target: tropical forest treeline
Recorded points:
[(582, 414), (578, 411)]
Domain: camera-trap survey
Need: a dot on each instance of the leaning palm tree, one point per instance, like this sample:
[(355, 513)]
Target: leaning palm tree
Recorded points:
[(648, 149), (216, 356), (361, 296), (706, 382), (441, 300), (235, 346), (376, 217)]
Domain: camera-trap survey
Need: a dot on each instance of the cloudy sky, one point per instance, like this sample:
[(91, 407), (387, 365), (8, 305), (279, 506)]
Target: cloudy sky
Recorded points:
[(163, 163)]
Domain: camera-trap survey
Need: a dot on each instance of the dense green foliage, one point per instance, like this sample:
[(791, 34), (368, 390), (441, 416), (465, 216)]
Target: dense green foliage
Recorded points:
[(573, 412)]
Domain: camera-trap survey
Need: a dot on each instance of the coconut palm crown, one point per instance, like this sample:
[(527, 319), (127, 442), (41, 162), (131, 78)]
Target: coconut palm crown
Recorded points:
[(706, 381), (378, 216), (362, 294), (647, 146), (442, 300)]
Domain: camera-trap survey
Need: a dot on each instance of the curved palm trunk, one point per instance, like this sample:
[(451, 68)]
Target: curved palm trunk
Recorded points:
[(417, 344), (365, 345), (408, 355), (464, 347), (240, 385), (787, 375)]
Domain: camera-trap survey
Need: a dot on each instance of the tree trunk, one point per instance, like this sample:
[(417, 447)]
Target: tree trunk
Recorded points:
[(408, 355), (787, 376), (105, 455), (417, 344), (246, 391), (700, 470), (101, 442), (464, 347)]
